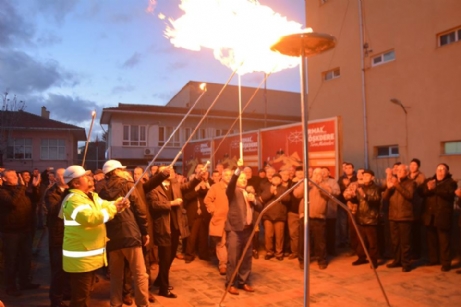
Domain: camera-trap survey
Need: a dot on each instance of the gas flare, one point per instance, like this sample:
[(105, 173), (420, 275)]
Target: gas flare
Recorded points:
[(239, 32)]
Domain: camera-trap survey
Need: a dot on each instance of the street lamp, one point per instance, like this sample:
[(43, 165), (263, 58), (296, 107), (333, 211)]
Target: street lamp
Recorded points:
[(399, 103)]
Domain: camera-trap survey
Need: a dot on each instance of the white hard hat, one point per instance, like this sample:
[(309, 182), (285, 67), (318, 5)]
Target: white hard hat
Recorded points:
[(74, 171), (110, 165)]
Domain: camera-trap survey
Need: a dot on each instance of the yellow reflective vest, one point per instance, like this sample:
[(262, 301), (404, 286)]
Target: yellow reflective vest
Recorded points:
[(84, 231)]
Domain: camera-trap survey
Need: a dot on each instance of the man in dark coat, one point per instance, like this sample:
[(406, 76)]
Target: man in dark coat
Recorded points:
[(60, 280), (439, 196), (127, 233), (239, 225), (16, 222), (400, 192), (368, 197), (170, 221), (198, 218)]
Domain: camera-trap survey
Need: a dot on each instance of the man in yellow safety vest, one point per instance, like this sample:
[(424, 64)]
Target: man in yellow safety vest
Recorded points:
[(84, 215)]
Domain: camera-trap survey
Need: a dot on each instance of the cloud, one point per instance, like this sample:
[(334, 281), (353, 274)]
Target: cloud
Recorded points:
[(57, 9), (13, 27), (23, 74), (121, 18), (133, 60), (165, 96), (48, 39), (177, 66), (122, 89), (70, 109)]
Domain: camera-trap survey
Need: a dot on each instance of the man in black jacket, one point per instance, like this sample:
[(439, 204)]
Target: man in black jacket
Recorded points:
[(127, 233), (239, 225), (170, 221), (439, 196), (60, 281), (16, 218), (368, 197), (400, 192)]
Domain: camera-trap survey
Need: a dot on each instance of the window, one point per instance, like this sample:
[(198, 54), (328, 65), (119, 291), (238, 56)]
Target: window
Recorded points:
[(19, 149), (449, 37), (387, 151), (164, 133), (331, 74), (452, 148), (200, 134), (53, 149), (187, 132), (134, 135), (223, 132), (383, 58)]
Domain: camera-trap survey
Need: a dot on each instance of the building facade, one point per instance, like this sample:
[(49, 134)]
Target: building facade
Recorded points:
[(137, 132), (31, 141), (393, 77)]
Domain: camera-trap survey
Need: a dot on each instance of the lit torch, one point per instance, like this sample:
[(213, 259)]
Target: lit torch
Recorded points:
[(93, 116)]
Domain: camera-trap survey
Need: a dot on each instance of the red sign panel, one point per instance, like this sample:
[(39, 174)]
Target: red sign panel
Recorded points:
[(195, 153), (227, 151)]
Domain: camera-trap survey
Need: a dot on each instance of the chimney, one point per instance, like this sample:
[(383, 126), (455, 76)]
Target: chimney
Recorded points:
[(45, 113)]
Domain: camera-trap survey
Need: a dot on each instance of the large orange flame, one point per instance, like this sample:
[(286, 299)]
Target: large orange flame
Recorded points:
[(239, 32)]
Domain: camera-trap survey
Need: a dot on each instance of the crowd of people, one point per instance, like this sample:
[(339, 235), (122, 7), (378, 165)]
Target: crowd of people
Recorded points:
[(103, 220)]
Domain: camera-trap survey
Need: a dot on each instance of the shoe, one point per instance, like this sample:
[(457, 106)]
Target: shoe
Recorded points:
[(458, 272), (156, 284), (222, 271), (189, 259), (360, 261), (279, 258), (255, 254), (446, 268), (29, 286), (322, 266), (268, 256), (127, 300), (292, 256), (247, 288), (301, 265), (286, 254), (406, 269), (393, 265), (13, 292), (233, 290), (168, 294), (375, 264), (180, 256), (151, 298), (61, 304)]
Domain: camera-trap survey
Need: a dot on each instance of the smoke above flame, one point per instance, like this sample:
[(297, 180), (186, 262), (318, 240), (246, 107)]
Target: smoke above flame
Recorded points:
[(240, 33)]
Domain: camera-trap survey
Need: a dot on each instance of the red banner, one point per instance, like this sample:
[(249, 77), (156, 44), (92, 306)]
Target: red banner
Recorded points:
[(283, 147), (227, 152), (195, 153)]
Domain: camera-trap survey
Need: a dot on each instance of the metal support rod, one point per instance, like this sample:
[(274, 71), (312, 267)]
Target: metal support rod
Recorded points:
[(244, 108), (250, 239), (166, 142), (304, 121), (204, 116), (358, 235), (240, 117), (93, 116)]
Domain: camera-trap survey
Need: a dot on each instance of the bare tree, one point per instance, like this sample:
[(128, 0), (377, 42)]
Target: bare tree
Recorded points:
[(8, 116)]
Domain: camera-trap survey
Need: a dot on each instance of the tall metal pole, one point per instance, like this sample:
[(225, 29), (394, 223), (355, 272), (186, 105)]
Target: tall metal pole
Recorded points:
[(304, 120)]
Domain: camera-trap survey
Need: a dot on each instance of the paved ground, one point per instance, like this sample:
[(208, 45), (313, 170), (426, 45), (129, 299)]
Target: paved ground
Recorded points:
[(280, 283)]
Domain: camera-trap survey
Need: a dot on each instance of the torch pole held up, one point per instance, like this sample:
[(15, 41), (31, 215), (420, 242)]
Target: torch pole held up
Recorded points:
[(203, 88), (204, 116), (93, 116)]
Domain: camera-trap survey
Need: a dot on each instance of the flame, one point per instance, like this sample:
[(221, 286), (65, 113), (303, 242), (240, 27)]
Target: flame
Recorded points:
[(239, 32), (152, 4), (203, 86), (93, 114)]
